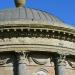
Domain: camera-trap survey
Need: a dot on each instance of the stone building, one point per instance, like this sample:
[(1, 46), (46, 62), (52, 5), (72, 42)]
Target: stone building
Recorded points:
[(34, 42)]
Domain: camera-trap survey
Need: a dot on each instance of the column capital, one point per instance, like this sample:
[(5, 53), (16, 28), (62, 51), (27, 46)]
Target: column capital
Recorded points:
[(21, 57), (61, 60)]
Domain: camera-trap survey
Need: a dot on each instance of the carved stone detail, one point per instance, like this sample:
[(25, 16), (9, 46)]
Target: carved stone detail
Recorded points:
[(40, 59), (61, 60), (22, 57), (61, 65), (3, 60), (39, 62), (39, 40), (71, 63)]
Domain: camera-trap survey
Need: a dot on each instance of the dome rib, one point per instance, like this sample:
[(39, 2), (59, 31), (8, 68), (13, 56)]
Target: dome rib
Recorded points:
[(30, 17), (27, 14)]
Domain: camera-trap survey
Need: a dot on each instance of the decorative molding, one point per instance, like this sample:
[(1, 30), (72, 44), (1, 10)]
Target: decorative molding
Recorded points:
[(29, 47), (35, 41), (33, 32)]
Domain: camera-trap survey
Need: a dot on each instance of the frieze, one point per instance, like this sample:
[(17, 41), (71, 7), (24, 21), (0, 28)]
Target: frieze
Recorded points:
[(37, 44), (36, 41), (40, 59)]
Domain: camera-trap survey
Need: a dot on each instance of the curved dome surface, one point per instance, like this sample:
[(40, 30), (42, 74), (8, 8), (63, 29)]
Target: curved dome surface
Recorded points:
[(27, 14), (30, 16)]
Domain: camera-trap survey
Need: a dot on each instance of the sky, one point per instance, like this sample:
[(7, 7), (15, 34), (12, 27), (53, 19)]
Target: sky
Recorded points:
[(64, 9)]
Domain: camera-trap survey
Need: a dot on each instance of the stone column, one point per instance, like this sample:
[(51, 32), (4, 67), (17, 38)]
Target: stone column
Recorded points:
[(61, 65), (22, 64)]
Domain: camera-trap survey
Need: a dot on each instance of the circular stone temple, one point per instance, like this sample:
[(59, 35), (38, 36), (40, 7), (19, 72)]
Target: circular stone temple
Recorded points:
[(34, 42)]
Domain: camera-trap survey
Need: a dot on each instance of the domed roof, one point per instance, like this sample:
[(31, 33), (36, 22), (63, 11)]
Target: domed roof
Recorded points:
[(27, 14)]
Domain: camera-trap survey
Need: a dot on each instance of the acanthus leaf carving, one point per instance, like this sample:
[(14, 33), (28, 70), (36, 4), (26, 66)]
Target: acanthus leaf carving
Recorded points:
[(4, 60)]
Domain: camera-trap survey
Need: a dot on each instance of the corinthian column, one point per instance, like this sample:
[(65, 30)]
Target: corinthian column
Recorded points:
[(21, 64), (61, 65)]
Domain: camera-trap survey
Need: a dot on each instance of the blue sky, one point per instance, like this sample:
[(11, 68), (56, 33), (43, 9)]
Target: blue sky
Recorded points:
[(64, 9)]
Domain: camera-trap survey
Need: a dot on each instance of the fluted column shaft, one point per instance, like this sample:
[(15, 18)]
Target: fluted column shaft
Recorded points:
[(22, 65), (61, 65)]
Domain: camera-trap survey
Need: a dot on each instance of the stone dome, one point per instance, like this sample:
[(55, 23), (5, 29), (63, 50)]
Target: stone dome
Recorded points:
[(32, 29), (27, 14), (21, 15), (30, 16)]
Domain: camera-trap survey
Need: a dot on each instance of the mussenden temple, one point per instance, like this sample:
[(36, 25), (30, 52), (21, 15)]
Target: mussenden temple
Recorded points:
[(33, 42)]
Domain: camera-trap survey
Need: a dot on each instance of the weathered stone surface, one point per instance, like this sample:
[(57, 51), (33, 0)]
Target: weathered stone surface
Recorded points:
[(32, 40)]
